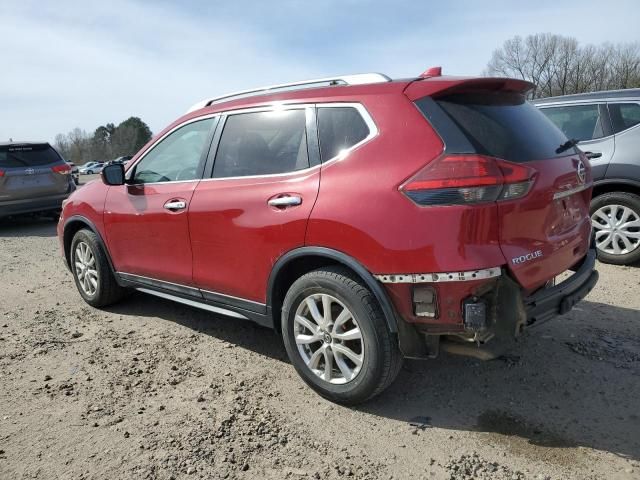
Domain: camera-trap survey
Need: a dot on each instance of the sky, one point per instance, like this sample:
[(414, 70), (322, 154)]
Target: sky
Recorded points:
[(70, 64)]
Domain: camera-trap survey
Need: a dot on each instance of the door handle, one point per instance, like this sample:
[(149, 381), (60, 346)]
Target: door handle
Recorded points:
[(175, 205), (591, 155), (285, 201)]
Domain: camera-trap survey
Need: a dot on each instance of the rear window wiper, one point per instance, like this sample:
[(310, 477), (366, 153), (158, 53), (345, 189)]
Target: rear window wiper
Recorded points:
[(567, 145)]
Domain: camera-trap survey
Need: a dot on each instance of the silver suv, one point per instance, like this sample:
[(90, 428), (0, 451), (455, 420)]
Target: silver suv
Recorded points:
[(33, 178), (607, 127)]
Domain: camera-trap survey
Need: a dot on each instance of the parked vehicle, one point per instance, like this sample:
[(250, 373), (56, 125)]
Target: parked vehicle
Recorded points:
[(365, 219), (607, 126), (91, 167), (33, 178), (75, 172), (123, 160)]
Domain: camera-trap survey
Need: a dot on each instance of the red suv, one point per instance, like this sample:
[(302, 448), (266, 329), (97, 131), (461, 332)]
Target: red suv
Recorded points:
[(365, 219)]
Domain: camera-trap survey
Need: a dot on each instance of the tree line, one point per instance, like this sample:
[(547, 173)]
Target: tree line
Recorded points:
[(106, 143), (559, 65)]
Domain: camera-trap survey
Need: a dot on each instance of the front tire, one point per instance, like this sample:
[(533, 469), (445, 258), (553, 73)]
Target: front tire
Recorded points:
[(615, 218), (337, 338), (91, 271)]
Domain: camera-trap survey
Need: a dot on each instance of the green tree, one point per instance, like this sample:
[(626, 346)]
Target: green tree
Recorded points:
[(129, 137)]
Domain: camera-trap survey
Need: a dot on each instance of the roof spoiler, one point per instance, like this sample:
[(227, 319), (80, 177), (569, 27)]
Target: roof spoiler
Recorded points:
[(440, 86)]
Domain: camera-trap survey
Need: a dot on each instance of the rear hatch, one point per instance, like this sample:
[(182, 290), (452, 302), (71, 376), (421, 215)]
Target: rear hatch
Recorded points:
[(544, 220), (30, 171)]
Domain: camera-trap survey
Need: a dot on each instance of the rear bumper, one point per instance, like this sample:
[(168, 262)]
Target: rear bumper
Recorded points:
[(561, 298), (31, 205)]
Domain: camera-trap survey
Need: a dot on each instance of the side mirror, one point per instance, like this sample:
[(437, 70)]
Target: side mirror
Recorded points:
[(113, 174)]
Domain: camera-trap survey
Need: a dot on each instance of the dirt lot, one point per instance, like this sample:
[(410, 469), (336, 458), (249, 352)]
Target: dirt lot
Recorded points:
[(150, 389)]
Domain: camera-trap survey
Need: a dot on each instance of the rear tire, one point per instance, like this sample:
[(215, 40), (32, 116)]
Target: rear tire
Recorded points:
[(353, 339), (91, 271), (611, 214)]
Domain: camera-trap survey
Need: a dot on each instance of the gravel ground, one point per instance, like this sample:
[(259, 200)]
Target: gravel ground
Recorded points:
[(151, 389)]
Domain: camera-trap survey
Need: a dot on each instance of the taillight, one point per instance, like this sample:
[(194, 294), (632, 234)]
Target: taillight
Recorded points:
[(1, 173), (468, 179), (62, 169)]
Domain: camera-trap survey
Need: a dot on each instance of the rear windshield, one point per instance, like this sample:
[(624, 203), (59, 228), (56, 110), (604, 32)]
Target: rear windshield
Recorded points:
[(17, 156), (499, 124)]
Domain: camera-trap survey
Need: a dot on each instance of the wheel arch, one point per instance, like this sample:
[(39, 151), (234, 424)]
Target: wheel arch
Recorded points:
[(73, 225), (615, 185), (296, 263)]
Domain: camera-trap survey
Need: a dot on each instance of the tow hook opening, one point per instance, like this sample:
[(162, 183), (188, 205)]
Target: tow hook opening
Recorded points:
[(474, 312)]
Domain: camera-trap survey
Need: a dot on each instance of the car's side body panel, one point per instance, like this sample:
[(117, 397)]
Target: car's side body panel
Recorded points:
[(236, 235), (144, 237), (361, 212)]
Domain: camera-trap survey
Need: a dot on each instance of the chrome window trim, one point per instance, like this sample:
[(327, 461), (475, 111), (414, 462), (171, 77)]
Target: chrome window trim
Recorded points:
[(192, 303), (295, 172), (275, 106), (155, 144), (637, 102), (577, 103), (598, 102), (581, 142), (366, 116), (269, 107), (590, 100), (619, 100), (439, 277)]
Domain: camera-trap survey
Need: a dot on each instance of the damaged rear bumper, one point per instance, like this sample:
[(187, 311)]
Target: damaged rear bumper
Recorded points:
[(561, 298)]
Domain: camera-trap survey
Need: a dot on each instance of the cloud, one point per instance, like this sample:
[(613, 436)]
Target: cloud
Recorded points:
[(69, 64)]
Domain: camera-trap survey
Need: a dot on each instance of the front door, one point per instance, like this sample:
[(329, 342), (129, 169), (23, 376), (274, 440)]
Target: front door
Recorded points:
[(146, 220), (255, 206)]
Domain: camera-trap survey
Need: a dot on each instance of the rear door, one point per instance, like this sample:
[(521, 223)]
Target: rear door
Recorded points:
[(254, 208), (546, 231), (589, 124), (31, 171)]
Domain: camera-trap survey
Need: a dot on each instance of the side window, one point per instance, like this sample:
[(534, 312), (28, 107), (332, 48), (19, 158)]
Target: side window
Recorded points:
[(339, 128), (262, 143), (624, 115), (579, 122), (177, 156)]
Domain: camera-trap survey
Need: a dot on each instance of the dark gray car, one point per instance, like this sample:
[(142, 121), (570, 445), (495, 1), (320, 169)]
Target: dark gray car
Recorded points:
[(33, 178), (607, 126)]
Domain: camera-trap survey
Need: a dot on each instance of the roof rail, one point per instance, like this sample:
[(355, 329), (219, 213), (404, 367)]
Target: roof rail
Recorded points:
[(358, 79)]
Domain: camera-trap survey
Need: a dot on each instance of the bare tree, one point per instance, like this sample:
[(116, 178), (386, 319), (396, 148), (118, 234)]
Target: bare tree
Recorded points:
[(558, 65), (61, 144)]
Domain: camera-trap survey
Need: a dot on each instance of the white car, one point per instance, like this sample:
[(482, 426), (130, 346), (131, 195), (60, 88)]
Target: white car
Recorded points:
[(91, 168)]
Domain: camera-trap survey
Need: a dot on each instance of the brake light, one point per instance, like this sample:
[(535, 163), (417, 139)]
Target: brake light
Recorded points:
[(62, 169), (1, 173), (468, 179)]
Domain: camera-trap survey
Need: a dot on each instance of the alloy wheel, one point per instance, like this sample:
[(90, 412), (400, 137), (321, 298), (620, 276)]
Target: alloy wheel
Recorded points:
[(85, 267), (617, 229), (329, 338)]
